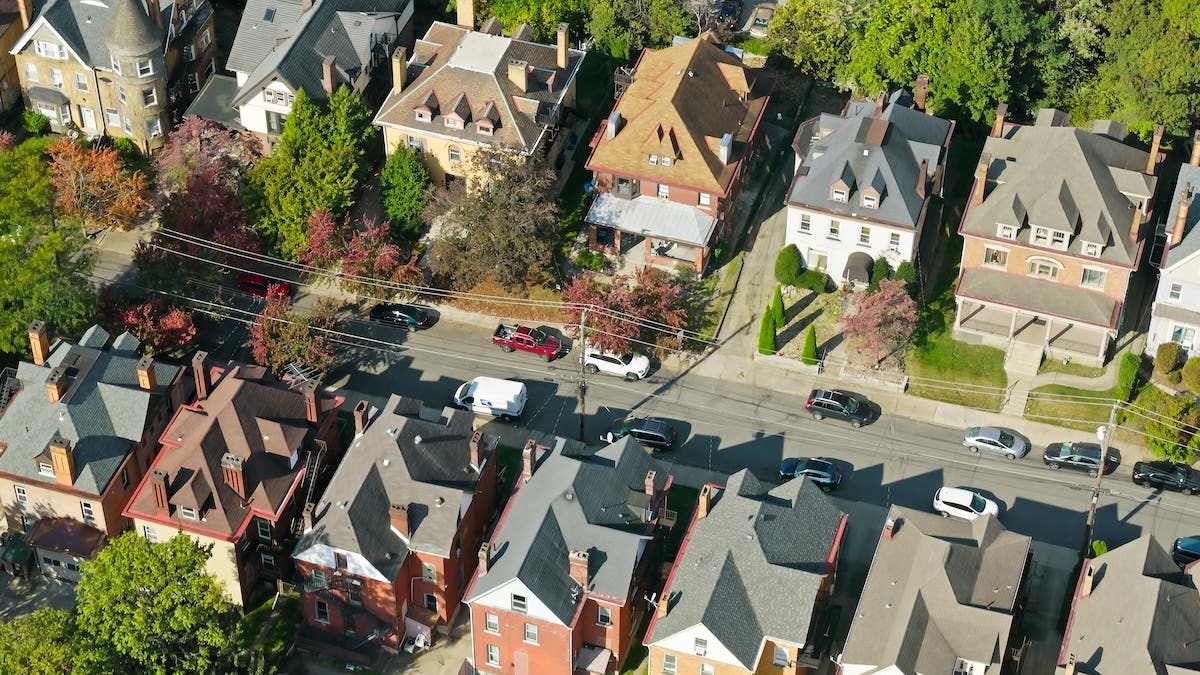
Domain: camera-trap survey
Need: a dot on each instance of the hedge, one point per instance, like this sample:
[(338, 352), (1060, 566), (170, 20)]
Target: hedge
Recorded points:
[(766, 333), (1127, 376)]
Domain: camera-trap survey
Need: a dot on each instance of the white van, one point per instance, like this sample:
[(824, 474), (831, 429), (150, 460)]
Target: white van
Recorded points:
[(504, 399)]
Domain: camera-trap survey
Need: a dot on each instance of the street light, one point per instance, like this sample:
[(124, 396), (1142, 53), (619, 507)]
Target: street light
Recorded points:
[(1104, 434)]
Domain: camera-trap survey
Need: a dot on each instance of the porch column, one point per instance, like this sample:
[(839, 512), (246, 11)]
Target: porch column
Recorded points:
[(958, 310), (1049, 332), (591, 236), (1012, 324), (699, 260), (1105, 337)]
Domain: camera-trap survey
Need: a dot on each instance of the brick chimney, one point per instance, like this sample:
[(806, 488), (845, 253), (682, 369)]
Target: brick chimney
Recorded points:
[(309, 516), (62, 458), (360, 413), (231, 473), (26, 9), (578, 561), (650, 483), (152, 8), (485, 557), (1195, 160), (518, 73), (202, 375), (312, 405), (1135, 227), (528, 460), (1185, 202), (1152, 161), (702, 505), (475, 445), (1069, 669), (1089, 578), (981, 171), (564, 42), (613, 125), (921, 92), (998, 123), (145, 374), (39, 339), (890, 527), (56, 384), (399, 68), (398, 516), (465, 11), (327, 68), (922, 178), (158, 487), (663, 607)]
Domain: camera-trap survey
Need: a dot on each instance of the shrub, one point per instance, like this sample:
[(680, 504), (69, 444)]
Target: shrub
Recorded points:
[(1191, 374), (814, 280), (35, 123), (777, 307), (789, 265), (766, 333), (809, 356), (1174, 377), (1099, 548), (879, 271), (590, 260), (907, 272), (8, 140), (1127, 375), (1166, 357), (127, 149)]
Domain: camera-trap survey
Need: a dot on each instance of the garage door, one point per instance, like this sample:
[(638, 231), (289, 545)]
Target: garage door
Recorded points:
[(62, 568)]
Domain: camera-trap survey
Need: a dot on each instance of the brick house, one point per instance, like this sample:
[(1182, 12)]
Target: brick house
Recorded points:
[(1175, 316), (12, 26), (1053, 230), (669, 161), (749, 590), (236, 467), (78, 428), (390, 546), (561, 585)]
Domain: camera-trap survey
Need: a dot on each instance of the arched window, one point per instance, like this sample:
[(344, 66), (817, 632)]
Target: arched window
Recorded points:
[(1045, 268)]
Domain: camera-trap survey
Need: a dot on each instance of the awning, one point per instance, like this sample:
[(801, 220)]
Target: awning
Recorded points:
[(17, 552), (1038, 296), (858, 268), (653, 217), (593, 659), (48, 95)]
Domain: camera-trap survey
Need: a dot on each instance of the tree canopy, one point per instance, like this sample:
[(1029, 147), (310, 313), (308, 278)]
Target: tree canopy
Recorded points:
[(46, 277), (649, 294), (403, 186), (813, 34), (92, 184), (26, 194), (38, 644), (883, 322), (282, 335)]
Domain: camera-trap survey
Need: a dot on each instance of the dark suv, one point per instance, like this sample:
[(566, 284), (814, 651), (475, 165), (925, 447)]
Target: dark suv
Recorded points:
[(651, 432), (822, 472), (1080, 457), (1186, 551), (838, 404), (1167, 476)]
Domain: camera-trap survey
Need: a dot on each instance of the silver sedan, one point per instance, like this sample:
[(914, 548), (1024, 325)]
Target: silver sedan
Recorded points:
[(995, 440)]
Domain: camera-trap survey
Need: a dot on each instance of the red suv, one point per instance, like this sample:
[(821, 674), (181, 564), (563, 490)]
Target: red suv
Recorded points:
[(260, 286)]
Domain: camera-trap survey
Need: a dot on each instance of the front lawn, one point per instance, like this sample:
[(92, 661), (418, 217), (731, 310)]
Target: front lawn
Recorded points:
[(947, 370), (1069, 368), (1070, 407)]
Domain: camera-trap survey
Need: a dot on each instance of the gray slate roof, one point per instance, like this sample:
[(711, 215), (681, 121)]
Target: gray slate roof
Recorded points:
[(1188, 176), (752, 567), (590, 503), (1063, 178), (103, 412), (1143, 615), (866, 148), (939, 589), (1040, 295), (132, 32), (85, 25), (407, 455), (264, 23)]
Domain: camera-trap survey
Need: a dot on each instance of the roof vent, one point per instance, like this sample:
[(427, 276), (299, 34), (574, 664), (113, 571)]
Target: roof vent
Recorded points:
[(417, 439), (387, 462), (439, 501), (866, 152), (691, 73), (391, 431)]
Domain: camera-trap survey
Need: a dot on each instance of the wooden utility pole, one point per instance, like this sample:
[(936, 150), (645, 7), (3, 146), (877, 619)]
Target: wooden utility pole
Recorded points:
[(582, 370), (1104, 434)]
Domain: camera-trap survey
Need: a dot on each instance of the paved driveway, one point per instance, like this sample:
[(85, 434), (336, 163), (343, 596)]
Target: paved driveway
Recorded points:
[(20, 596)]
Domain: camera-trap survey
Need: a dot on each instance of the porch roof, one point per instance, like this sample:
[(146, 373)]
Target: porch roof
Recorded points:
[(1177, 313), (1038, 295), (653, 217)]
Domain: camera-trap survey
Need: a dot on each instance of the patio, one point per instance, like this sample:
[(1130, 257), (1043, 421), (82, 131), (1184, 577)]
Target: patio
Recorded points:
[(998, 326)]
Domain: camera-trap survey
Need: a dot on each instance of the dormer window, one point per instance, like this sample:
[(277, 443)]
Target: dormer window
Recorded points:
[(45, 469), (454, 122), (1041, 235), (838, 195), (870, 201), (1007, 232), (653, 160), (1090, 249), (423, 115), (1058, 239), (666, 161), (485, 127), (187, 512)]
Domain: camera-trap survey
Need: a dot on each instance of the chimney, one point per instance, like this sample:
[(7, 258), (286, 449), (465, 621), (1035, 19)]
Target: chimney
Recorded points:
[(889, 528), (998, 123), (1195, 160), (1185, 201), (360, 417), (922, 178), (703, 504), (476, 447), (39, 340), (518, 73), (1135, 228), (398, 516), (613, 126), (564, 41), (145, 374), (1089, 577), (152, 8), (1069, 669), (485, 555), (663, 606), (309, 517), (981, 171), (879, 101), (56, 384), (922, 91), (26, 9), (231, 473), (1152, 161), (62, 458), (312, 407), (399, 68), (202, 375), (528, 457), (725, 150), (327, 67), (466, 13), (579, 567), (650, 483), (158, 485)]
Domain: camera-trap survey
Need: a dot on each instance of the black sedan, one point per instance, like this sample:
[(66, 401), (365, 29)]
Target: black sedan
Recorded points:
[(398, 314), (1080, 457), (1167, 476), (822, 472)]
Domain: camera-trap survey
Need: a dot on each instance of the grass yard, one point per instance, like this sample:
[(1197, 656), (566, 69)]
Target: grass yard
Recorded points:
[(279, 634), (1069, 368), (945, 369), (722, 295), (1070, 407)]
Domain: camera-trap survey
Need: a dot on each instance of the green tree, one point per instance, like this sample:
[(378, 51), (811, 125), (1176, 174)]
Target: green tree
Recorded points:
[(809, 355), (879, 271), (766, 332), (788, 265), (1191, 374), (1173, 425), (153, 608), (777, 306), (25, 190), (666, 19), (623, 27), (39, 643), (813, 34), (404, 184), (907, 272), (543, 16), (1167, 356), (46, 277)]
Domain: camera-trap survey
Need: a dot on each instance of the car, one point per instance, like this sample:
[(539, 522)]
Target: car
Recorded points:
[(1186, 551), (761, 22), (1079, 456), (822, 472), (838, 404), (651, 432), (1167, 476), (962, 503), (262, 287), (996, 440), (399, 314), (632, 367)]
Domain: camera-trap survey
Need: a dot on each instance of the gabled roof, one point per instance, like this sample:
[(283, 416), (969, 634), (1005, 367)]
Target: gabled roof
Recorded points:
[(408, 455), (90, 28), (103, 412), (264, 24), (939, 589), (450, 62), (1189, 178), (695, 93), (752, 567), (1141, 617), (591, 503)]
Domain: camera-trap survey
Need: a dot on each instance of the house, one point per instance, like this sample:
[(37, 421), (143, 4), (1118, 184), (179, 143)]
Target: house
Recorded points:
[(62, 545), (284, 46), (236, 468), (78, 428), (670, 159), (562, 584), (464, 89), (943, 596), (1134, 612), (114, 67), (390, 546), (1175, 316), (749, 590), (1053, 230), (866, 184), (11, 28)]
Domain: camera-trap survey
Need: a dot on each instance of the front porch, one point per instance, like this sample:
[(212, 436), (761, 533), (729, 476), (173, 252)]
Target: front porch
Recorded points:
[(649, 231), (999, 326)]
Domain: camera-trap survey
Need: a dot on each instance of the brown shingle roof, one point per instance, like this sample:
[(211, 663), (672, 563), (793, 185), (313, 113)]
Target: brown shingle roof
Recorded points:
[(67, 535)]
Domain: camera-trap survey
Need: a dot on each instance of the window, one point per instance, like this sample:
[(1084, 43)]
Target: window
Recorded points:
[(453, 122), (429, 572), (669, 665), (519, 604), (322, 613), (839, 196), (653, 160), (111, 117), (870, 201), (154, 128), (121, 94), (318, 577), (835, 229), (705, 199), (493, 655), (275, 122), (454, 154), (264, 529), (706, 669), (894, 242), (531, 633), (864, 236), (1058, 239), (149, 97), (485, 127), (664, 191), (27, 522), (995, 257), (1092, 250), (49, 111), (604, 616), (268, 560), (187, 512), (491, 623), (31, 74), (45, 469), (189, 54), (116, 65), (1041, 235), (205, 39), (1184, 336), (666, 161), (700, 647), (125, 478), (1175, 292), (81, 82), (50, 50), (339, 560), (150, 534), (354, 592), (1093, 277), (818, 260), (56, 77), (72, 567), (1046, 269), (781, 657), (805, 223), (22, 496), (1008, 232), (423, 115), (193, 82), (145, 68), (416, 144)]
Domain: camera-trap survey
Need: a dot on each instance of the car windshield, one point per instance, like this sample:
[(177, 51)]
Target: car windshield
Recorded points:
[(538, 336), (851, 405), (1007, 439), (626, 359), (977, 503), (761, 21)]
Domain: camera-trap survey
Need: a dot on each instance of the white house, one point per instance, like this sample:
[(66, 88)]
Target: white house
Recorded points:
[(1176, 313)]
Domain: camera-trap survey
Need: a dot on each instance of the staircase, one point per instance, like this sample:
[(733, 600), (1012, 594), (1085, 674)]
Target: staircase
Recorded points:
[(1021, 364), (312, 467)]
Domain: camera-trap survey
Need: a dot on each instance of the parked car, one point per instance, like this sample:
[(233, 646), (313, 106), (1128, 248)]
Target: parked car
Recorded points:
[(822, 472), (401, 315), (837, 404), (632, 367), (651, 432), (1167, 476), (965, 504), (1080, 457), (996, 440), (512, 337), (503, 399), (760, 24), (1186, 551), (262, 287)]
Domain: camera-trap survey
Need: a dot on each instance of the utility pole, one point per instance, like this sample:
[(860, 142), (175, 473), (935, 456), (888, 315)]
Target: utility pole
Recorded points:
[(1104, 434), (582, 372)]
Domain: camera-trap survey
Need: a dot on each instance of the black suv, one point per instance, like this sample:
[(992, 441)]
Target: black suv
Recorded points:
[(649, 431), (1186, 551), (398, 314), (1079, 456), (838, 404), (1167, 476), (822, 472)]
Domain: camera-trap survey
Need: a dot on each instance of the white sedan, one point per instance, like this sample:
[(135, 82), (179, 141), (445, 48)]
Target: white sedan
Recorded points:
[(629, 366), (965, 504)]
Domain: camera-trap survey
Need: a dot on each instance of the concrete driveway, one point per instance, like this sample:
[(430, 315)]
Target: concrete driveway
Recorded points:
[(20, 596)]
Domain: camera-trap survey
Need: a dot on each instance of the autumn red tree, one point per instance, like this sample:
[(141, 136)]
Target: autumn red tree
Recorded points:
[(648, 308), (281, 336), (359, 257), (203, 147), (160, 326), (91, 184), (881, 322)]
